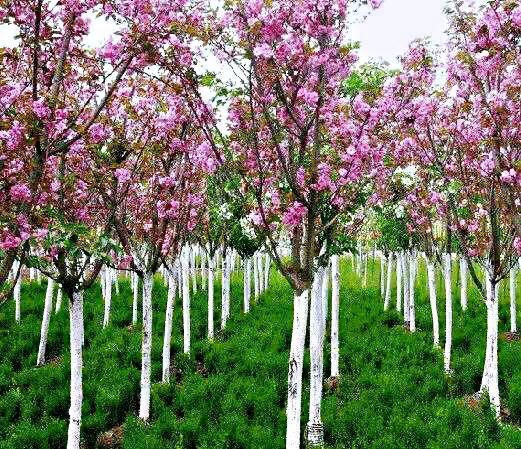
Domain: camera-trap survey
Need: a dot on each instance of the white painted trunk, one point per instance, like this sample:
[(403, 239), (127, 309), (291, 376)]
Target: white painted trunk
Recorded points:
[(366, 259), (382, 275), (31, 274), (513, 308), (76, 337), (59, 299), (387, 301), (169, 312), (431, 279), (463, 279), (116, 280), (406, 296), (186, 302), (448, 310), (107, 280), (315, 428), (193, 269), (490, 379), (398, 282), (146, 347), (256, 276), (47, 308), (267, 271), (325, 293), (296, 360), (247, 284), (135, 291), (16, 295), (225, 288), (412, 277), (204, 270), (210, 297), (335, 310)]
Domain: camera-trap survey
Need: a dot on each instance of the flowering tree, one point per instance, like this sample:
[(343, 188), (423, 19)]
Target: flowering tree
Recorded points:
[(463, 136)]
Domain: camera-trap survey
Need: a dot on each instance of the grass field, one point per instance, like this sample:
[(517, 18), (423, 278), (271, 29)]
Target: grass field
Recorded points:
[(231, 393)]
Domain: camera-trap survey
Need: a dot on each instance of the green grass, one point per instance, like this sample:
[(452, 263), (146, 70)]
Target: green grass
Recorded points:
[(231, 393)]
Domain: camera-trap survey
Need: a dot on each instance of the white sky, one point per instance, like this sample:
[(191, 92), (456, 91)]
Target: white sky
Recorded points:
[(386, 32)]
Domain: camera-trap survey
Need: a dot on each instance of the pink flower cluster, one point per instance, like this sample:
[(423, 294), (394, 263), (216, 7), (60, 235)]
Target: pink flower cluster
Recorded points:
[(294, 215)]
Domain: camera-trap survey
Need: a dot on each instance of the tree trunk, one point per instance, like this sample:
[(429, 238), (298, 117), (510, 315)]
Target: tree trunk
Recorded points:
[(204, 270), (193, 269), (16, 290), (146, 348), (256, 276), (406, 284), (431, 276), (463, 278), (412, 278), (247, 284), (107, 280), (267, 271), (490, 380), (335, 309), (59, 298), (168, 325), (210, 297), (135, 290), (225, 288), (398, 281), (448, 310), (315, 428), (382, 275), (389, 279), (513, 311), (186, 301), (296, 360), (76, 337), (40, 360)]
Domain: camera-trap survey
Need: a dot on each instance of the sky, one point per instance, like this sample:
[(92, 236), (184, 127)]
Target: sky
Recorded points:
[(386, 32), (384, 35)]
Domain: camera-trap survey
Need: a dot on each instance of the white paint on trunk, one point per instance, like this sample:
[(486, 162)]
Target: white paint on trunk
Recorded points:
[(59, 299), (296, 360), (382, 275), (513, 308), (335, 310), (431, 279), (447, 271), (47, 308), (247, 284), (387, 301), (76, 337), (146, 347), (490, 379), (398, 282), (463, 280), (225, 287), (107, 281), (168, 325), (135, 292), (315, 428), (406, 297), (210, 297), (412, 277), (256, 276), (186, 302), (267, 271)]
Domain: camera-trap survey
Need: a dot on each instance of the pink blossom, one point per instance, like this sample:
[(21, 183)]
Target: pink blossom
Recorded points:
[(263, 51), (123, 175), (10, 242), (294, 215), (308, 96), (517, 244), (40, 109), (98, 132), (516, 16), (20, 193)]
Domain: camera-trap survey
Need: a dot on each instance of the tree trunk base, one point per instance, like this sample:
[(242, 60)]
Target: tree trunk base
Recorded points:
[(332, 383), (315, 435), (510, 336)]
